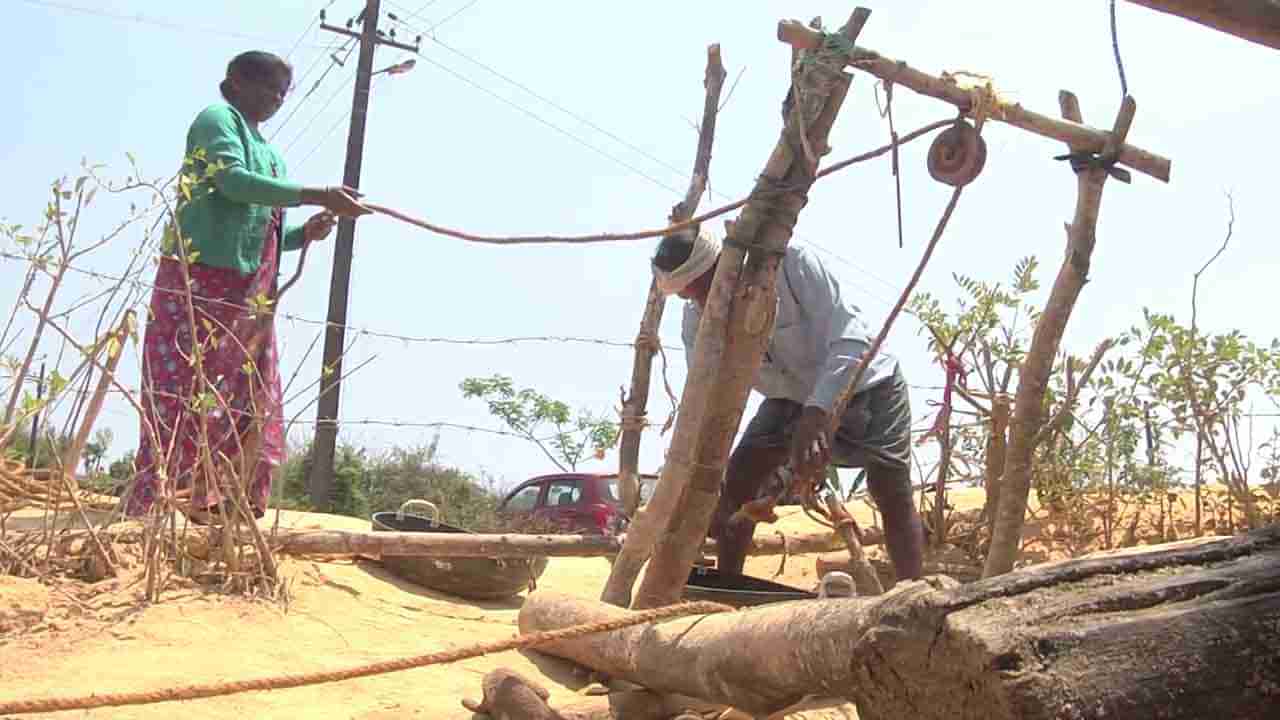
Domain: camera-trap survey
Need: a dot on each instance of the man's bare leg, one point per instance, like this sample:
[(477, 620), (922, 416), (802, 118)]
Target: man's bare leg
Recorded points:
[(903, 531), (749, 469)]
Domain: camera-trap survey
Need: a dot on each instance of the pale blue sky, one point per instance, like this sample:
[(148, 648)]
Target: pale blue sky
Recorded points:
[(439, 147)]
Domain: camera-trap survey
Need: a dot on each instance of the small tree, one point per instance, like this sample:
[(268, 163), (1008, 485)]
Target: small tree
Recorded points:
[(95, 451), (526, 412), (1205, 381), (122, 469)]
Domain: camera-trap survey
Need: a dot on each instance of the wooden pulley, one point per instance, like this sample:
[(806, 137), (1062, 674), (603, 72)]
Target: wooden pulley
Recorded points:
[(957, 155)]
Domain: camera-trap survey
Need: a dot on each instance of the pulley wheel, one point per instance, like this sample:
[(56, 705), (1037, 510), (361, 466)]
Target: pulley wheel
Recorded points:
[(957, 155)]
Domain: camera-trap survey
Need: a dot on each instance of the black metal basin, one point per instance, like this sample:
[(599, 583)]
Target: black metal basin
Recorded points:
[(471, 578), (707, 583)]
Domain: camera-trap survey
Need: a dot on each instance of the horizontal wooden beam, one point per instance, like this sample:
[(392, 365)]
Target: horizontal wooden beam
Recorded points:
[(899, 73), (374, 544), (1257, 21)]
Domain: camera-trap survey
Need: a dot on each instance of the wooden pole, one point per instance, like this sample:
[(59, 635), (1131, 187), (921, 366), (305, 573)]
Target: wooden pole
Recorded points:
[(997, 442), (635, 404), (1071, 132), (748, 292), (1199, 481), (1109, 517), (940, 487), (34, 457), (345, 542), (1257, 21), (1028, 412), (864, 576)]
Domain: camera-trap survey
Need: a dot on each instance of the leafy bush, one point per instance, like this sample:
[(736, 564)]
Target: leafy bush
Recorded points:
[(364, 484)]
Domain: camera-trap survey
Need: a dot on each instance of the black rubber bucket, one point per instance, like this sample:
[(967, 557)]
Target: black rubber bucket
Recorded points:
[(472, 578), (707, 583)]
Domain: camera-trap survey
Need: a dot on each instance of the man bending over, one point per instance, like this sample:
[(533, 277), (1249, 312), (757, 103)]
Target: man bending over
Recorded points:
[(818, 340)]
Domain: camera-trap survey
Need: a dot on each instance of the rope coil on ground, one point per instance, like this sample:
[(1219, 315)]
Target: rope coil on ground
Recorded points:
[(279, 682)]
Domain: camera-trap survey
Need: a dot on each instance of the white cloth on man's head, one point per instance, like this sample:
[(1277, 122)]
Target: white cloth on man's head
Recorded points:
[(706, 248)]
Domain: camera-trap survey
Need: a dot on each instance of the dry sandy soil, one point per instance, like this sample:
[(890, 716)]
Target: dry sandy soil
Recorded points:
[(339, 614)]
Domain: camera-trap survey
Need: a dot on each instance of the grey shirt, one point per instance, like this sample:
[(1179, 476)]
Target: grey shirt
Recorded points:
[(818, 338)]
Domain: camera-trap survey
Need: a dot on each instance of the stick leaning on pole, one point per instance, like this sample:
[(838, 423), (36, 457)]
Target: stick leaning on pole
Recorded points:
[(635, 403)]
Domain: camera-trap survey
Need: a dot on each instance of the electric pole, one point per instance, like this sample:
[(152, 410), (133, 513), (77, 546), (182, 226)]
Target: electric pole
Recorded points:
[(320, 483)]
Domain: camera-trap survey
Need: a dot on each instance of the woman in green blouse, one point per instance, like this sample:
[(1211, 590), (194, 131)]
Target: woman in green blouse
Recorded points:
[(232, 222)]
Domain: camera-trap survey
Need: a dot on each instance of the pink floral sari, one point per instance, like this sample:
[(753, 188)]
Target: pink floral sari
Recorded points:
[(241, 367)]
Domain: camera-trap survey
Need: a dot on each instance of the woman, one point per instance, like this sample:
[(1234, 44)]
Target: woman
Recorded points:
[(214, 416)]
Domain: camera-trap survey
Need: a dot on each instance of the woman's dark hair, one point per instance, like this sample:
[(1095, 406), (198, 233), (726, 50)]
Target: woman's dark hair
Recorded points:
[(254, 65), (673, 251)]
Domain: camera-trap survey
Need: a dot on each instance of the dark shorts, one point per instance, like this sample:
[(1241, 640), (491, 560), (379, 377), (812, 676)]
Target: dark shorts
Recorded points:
[(875, 429)]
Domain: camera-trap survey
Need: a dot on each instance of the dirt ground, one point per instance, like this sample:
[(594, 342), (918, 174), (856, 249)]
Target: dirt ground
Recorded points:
[(67, 638)]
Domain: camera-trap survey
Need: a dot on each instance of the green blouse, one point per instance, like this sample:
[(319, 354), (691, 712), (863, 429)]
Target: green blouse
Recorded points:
[(237, 177)]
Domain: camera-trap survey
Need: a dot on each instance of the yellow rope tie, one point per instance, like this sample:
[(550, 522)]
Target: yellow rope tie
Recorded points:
[(279, 682), (984, 101)]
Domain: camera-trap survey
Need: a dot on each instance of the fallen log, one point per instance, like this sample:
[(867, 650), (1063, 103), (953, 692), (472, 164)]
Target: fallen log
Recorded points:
[(340, 542), (346, 542), (1179, 631)]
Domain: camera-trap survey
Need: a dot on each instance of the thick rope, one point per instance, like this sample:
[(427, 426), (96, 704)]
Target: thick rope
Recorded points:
[(642, 234), (279, 682)]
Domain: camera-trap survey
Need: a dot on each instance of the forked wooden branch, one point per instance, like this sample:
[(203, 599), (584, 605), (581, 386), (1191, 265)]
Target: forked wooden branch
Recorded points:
[(735, 327), (635, 404), (1074, 133), (1028, 408)]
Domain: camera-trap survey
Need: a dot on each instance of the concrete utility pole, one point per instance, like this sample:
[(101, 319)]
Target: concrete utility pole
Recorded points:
[(320, 483)]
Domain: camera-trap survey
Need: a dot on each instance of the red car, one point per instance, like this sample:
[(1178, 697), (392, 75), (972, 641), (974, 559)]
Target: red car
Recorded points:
[(584, 503)]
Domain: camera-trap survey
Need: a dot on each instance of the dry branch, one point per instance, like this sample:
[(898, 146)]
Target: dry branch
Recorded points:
[(1176, 632), (1254, 20), (732, 335), (1028, 410), (635, 404), (1074, 133)]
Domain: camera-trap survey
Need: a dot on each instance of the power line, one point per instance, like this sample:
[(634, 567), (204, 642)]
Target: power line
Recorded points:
[(349, 46), (553, 126), (451, 15), (157, 22), (407, 339), (315, 19), (666, 165), (332, 129), (333, 96)]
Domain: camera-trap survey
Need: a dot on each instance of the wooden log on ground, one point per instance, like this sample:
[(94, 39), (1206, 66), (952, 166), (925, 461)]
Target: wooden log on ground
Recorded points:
[(744, 289), (1033, 380), (1180, 631), (374, 544), (340, 542), (1253, 20), (899, 73)]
